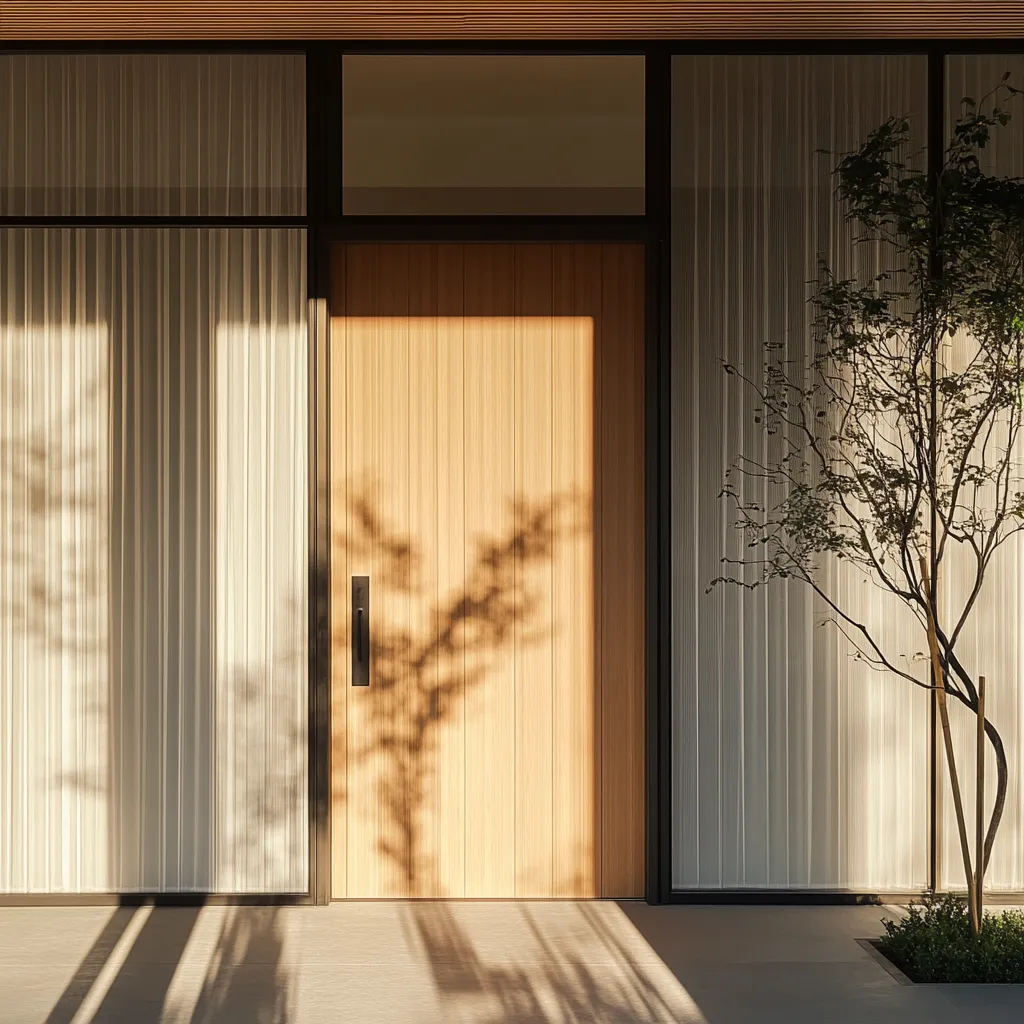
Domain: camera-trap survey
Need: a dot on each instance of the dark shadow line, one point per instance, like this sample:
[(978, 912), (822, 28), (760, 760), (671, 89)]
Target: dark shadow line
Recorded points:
[(153, 959), (138, 992), (230, 993), (76, 990)]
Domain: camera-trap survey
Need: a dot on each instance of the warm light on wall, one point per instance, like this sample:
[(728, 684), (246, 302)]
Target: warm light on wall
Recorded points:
[(55, 550), (261, 627)]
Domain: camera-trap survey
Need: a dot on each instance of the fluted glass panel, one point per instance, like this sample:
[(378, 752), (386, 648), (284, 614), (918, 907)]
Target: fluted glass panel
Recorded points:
[(161, 134), (991, 645), (153, 510), (793, 765)]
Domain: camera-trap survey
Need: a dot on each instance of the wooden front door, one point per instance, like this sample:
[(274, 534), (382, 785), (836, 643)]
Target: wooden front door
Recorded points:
[(487, 481)]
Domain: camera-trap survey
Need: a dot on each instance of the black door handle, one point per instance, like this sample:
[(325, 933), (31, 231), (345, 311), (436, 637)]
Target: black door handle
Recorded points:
[(360, 630)]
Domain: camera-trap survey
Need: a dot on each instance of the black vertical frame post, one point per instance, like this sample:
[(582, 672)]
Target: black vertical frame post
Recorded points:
[(657, 476), (936, 155), (323, 205)]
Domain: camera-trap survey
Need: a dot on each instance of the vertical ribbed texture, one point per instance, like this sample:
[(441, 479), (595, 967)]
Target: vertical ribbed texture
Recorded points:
[(793, 765), (161, 134), (153, 673), (55, 586), (991, 643)]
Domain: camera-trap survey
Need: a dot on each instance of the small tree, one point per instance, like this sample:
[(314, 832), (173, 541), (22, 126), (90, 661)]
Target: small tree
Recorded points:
[(893, 444)]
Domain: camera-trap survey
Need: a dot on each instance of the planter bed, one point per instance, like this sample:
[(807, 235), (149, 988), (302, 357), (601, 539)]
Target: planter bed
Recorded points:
[(934, 944)]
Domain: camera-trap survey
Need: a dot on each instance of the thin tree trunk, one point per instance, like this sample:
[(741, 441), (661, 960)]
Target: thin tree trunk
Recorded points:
[(1002, 783), (939, 680), (970, 701), (979, 808)]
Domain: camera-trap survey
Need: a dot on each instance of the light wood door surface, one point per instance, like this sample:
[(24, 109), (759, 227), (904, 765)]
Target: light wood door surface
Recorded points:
[(487, 476)]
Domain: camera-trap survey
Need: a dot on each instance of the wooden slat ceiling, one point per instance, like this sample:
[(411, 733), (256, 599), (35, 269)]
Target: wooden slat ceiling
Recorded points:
[(510, 19)]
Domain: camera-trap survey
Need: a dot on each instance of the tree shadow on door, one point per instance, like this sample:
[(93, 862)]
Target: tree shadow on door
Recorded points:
[(423, 669)]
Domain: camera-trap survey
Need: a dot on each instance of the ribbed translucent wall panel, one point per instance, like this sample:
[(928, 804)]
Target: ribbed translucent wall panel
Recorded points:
[(793, 765), (153, 560), (168, 134), (993, 642)]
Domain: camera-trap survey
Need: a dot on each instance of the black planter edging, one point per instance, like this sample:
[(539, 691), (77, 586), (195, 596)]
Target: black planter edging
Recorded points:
[(871, 947)]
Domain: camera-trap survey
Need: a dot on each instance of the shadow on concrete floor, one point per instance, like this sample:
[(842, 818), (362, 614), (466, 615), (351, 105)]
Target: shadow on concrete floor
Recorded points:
[(597, 977), (130, 972), (428, 962), (802, 964)]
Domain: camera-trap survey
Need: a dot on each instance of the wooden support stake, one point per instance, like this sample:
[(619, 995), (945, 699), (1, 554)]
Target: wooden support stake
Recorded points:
[(979, 849), (939, 680)]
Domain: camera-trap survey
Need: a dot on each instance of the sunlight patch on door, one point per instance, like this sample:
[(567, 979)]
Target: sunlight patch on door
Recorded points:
[(463, 488)]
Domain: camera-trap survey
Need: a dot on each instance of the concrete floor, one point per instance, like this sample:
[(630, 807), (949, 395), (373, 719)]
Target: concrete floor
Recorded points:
[(485, 962)]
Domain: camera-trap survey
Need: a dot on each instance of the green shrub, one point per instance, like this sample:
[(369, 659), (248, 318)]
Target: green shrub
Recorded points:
[(934, 943)]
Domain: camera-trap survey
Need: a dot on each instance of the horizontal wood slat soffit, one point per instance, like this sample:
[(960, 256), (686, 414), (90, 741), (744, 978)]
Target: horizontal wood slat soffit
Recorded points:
[(493, 19)]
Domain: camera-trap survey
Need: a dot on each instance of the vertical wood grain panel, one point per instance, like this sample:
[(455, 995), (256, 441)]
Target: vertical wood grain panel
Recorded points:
[(341, 665), (490, 483), (451, 566), (620, 589), (486, 758), (360, 412), (575, 767), (390, 696), (586, 304), (427, 672), (536, 636)]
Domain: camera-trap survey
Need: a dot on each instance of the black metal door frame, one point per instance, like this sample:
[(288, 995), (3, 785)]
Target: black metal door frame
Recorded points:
[(325, 223), (427, 230)]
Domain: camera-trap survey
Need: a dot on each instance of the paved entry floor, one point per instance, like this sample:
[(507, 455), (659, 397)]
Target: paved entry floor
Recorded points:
[(485, 962)]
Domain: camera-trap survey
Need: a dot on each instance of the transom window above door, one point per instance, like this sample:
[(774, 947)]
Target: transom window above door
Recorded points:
[(493, 134)]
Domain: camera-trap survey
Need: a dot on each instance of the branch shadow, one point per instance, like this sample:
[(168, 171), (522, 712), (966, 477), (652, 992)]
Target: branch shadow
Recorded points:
[(246, 978), (41, 481), (53, 540), (594, 978), (59, 598), (422, 671)]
